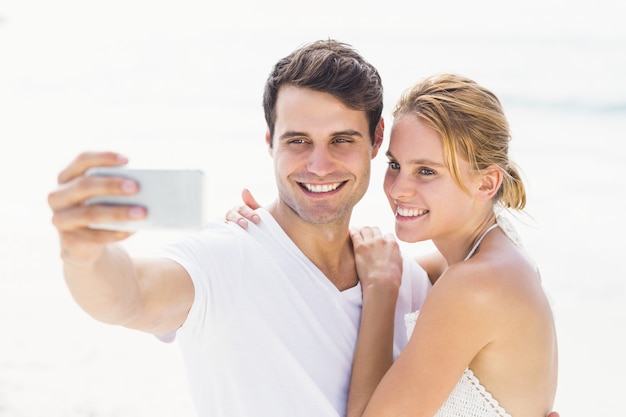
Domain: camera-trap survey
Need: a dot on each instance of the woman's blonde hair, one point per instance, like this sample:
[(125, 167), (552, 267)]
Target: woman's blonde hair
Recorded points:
[(472, 124)]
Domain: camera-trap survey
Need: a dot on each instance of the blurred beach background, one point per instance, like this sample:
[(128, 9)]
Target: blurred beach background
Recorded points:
[(179, 85)]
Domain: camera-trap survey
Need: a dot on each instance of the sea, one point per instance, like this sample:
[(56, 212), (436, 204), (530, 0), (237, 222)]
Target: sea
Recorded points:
[(179, 85)]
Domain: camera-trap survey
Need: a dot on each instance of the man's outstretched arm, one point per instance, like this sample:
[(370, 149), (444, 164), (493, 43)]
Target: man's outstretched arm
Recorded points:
[(150, 295)]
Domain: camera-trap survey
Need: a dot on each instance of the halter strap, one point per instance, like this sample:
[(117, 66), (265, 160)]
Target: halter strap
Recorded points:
[(480, 239)]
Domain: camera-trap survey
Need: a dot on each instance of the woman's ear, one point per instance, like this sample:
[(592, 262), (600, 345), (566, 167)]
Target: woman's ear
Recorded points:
[(490, 182)]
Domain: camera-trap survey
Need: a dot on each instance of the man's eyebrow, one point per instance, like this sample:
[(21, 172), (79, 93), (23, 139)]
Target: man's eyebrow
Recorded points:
[(349, 132), (291, 134), (295, 133)]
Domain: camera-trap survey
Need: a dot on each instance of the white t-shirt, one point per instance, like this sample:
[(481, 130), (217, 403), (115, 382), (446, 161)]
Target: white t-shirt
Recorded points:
[(268, 334)]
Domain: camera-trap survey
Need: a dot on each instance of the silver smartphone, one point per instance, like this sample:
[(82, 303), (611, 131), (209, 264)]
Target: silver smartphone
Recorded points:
[(174, 198)]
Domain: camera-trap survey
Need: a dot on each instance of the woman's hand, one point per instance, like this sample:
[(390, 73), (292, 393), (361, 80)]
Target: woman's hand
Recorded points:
[(379, 267), (377, 257), (243, 213)]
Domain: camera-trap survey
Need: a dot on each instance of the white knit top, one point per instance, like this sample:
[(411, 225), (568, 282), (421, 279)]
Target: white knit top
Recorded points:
[(469, 398)]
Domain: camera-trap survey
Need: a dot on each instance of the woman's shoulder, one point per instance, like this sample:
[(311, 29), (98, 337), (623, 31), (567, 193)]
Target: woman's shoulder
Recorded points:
[(493, 278)]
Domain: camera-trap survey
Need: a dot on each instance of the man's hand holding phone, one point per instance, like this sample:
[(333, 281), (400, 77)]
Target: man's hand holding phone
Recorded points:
[(72, 216), (174, 198), (99, 201)]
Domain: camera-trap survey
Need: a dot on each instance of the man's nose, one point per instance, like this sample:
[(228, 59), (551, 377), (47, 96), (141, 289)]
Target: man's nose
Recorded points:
[(321, 161)]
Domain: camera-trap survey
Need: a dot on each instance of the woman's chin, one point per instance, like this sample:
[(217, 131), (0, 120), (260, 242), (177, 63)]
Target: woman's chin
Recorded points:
[(409, 236)]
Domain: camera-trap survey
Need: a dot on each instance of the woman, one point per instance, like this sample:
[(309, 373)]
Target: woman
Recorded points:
[(484, 339), (484, 342)]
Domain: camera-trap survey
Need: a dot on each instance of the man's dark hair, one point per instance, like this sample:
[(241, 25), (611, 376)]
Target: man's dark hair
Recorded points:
[(331, 67)]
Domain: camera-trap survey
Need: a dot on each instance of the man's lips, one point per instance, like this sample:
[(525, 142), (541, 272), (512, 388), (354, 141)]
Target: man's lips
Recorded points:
[(321, 188)]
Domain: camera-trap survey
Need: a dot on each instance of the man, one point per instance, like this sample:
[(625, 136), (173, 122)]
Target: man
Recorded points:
[(267, 318)]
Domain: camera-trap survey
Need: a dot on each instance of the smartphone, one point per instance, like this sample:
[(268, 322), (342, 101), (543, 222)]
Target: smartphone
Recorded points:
[(174, 198)]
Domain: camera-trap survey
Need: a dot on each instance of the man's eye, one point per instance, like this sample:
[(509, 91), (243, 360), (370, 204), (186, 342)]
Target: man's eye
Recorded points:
[(342, 140), (393, 165)]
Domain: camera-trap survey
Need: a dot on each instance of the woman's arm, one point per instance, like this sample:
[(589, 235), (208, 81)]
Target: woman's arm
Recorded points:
[(379, 267), (451, 330), (447, 336), (433, 263)]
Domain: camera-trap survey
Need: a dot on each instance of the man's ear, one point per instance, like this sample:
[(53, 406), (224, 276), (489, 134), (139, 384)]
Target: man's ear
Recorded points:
[(379, 135), (268, 141), (490, 182)]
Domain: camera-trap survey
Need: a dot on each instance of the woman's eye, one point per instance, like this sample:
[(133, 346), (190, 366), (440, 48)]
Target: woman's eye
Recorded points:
[(393, 165), (426, 171)]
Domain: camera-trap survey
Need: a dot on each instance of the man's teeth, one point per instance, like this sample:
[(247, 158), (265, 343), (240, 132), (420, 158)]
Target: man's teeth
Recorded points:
[(405, 212), (323, 188)]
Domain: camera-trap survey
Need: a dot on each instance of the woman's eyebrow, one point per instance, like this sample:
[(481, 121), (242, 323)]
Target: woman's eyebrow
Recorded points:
[(419, 161)]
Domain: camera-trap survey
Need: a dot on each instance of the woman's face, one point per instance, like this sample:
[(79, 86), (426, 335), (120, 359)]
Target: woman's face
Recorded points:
[(426, 200)]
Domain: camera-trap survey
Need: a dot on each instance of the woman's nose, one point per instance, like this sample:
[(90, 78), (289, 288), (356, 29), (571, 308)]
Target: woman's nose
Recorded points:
[(399, 187)]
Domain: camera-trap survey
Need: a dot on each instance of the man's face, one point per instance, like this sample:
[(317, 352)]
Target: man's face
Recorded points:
[(322, 152)]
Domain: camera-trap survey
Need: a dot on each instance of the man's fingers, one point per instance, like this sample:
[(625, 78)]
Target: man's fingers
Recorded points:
[(87, 160), (81, 216), (79, 189)]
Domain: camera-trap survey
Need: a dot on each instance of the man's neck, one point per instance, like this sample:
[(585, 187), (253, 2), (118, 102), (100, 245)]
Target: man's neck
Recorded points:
[(328, 246)]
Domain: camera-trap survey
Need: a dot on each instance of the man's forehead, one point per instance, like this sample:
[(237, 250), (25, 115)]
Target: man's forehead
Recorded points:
[(302, 110)]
